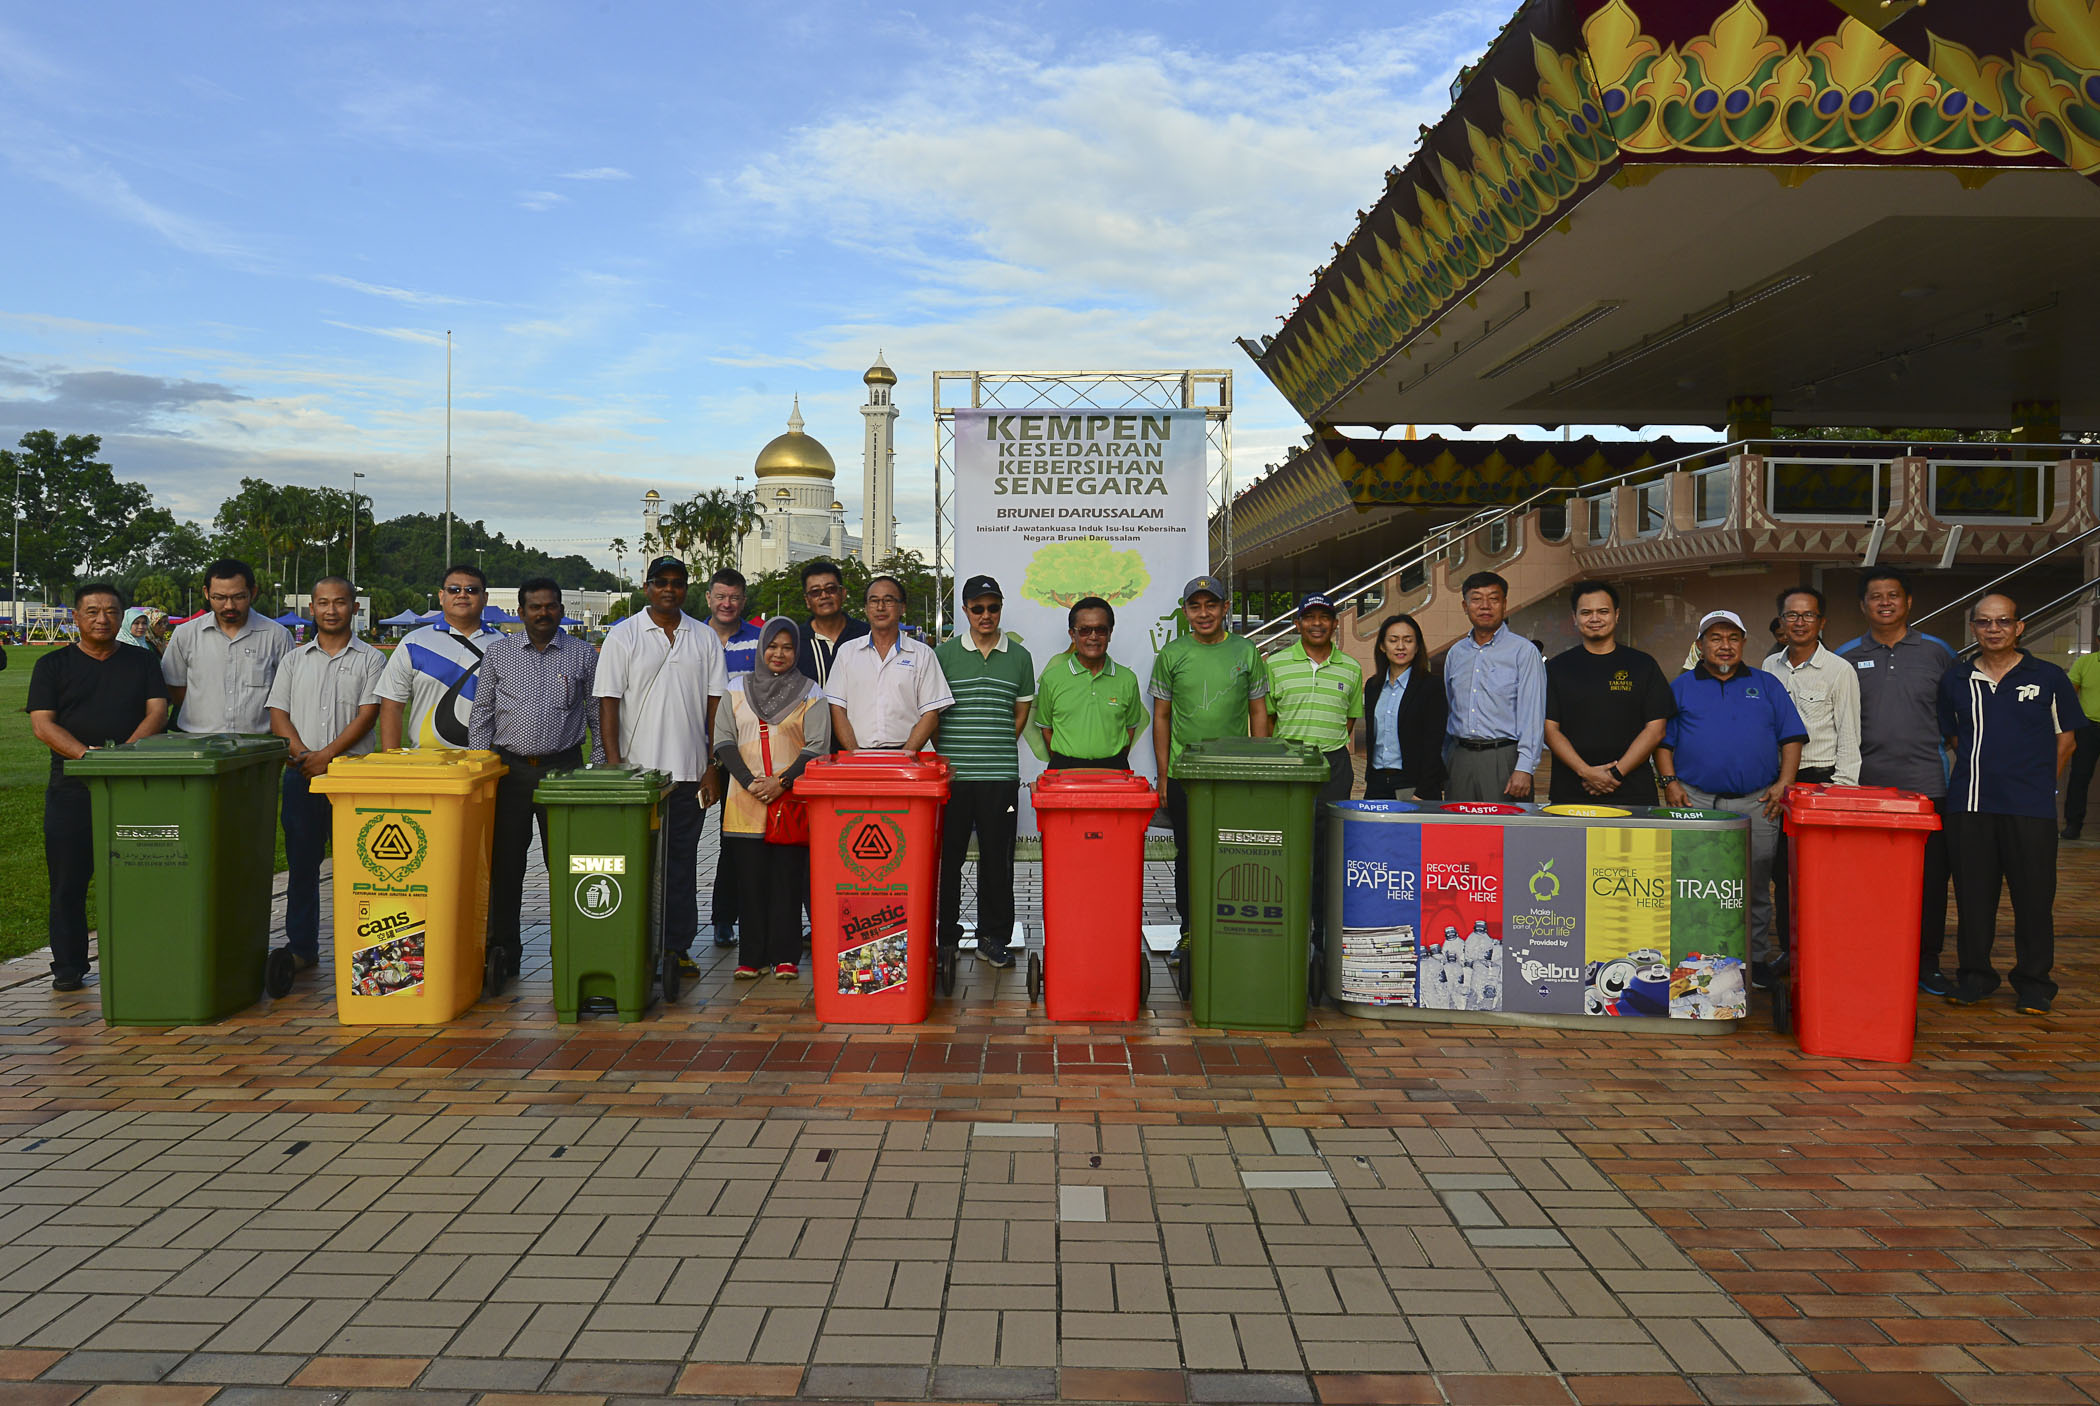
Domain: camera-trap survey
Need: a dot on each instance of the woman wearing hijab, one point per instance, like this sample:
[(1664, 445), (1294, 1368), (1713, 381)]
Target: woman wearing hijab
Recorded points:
[(777, 721), (136, 628)]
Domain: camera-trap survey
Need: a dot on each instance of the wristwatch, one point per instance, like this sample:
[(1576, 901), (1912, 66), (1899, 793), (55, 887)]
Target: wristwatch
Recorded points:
[(1667, 780), (1614, 770)]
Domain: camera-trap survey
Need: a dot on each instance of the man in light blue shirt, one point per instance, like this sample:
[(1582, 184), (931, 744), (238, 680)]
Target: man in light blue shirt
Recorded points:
[(1496, 684)]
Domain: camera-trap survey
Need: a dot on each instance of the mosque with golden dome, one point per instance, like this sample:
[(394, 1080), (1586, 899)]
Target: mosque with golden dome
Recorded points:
[(800, 515)]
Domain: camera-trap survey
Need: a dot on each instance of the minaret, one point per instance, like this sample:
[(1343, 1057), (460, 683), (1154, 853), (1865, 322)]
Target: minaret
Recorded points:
[(878, 495)]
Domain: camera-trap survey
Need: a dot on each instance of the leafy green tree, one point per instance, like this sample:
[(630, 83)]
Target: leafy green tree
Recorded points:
[(78, 519), (160, 593)]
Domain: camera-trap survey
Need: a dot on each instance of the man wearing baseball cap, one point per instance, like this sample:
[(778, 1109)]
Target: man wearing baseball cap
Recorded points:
[(1205, 684), (993, 681), (1734, 745), (1316, 694)]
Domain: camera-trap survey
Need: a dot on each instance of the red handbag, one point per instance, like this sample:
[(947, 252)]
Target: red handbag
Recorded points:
[(787, 819)]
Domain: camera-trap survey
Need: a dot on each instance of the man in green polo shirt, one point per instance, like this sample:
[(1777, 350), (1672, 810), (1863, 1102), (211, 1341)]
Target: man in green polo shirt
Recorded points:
[(1089, 707), (1205, 684), (993, 681), (1316, 693)]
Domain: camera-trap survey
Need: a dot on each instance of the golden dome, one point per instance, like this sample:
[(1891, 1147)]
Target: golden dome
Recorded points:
[(880, 374), (795, 453)]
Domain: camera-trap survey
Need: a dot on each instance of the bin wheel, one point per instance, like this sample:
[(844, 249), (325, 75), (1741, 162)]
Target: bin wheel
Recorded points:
[(1144, 976), (1035, 977), (1316, 980), (945, 964), (1184, 975), (278, 970), (669, 976)]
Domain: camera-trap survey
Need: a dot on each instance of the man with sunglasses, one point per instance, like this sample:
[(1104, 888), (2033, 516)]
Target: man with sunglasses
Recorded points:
[(1089, 707), (426, 694), (993, 681), (824, 592), (2012, 721), (661, 674)]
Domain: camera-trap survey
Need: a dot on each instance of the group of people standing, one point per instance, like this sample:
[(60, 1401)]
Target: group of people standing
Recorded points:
[(734, 711)]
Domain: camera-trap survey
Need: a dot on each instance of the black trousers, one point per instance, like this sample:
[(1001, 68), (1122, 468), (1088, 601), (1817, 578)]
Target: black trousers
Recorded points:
[(1932, 911), (2016, 853), (1383, 784), (772, 883), (1178, 821), (1060, 761), (1782, 889), (69, 860), (1341, 780), (990, 809), (683, 818), (722, 911), (2081, 779), (515, 818), (308, 819)]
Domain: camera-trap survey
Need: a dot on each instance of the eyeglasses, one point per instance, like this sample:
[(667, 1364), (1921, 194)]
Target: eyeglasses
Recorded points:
[(1796, 616), (982, 609), (885, 600), (658, 583), (831, 590), (462, 590), (1088, 631), (228, 600), (2000, 623)]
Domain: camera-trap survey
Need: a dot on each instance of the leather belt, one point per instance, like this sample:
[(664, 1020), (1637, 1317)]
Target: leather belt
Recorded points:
[(545, 760), (1486, 744)]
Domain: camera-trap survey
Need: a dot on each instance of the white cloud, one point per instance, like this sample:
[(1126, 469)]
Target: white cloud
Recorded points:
[(398, 334), (596, 173), (381, 290), (541, 199)]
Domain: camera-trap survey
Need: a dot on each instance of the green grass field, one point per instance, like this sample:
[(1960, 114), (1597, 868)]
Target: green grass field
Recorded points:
[(24, 764)]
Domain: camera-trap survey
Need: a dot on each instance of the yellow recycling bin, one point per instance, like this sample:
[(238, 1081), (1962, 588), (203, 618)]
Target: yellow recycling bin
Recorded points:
[(412, 838)]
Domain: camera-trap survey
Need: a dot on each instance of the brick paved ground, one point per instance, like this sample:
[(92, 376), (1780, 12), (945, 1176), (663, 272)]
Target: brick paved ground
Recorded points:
[(729, 1200)]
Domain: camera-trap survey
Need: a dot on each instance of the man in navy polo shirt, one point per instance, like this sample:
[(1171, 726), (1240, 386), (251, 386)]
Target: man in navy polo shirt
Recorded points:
[(2012, 721), (1734, 745)]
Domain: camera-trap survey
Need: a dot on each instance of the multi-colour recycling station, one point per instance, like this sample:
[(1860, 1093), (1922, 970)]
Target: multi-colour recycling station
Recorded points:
[(1542, 915)]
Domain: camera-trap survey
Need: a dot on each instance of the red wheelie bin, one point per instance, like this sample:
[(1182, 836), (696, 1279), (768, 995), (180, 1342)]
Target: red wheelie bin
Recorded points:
[(1093, 964), (1858, 857), (874, 872)]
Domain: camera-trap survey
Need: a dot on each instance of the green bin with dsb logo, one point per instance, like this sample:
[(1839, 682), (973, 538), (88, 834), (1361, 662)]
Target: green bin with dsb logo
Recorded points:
[(606, 872), (184, 831), (1251, 806)]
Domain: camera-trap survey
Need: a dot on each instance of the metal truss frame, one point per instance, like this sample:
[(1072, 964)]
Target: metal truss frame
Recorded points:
[(1207, 390)]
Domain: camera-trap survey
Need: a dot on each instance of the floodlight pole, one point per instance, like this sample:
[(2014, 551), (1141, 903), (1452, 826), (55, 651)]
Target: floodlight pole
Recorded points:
[(448, 446), (354, 477), (14, 570)]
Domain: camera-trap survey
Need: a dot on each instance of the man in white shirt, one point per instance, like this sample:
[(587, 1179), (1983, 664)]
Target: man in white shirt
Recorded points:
[(660, 675), (220, 666), (886, 689), (1825, 691), (323, 705), (426, 695)]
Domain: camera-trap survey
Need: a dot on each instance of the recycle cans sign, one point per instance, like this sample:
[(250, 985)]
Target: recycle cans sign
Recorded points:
[(391, 903)]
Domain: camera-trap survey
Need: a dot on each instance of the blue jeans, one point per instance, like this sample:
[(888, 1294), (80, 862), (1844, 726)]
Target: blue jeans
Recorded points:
[(307, 820)]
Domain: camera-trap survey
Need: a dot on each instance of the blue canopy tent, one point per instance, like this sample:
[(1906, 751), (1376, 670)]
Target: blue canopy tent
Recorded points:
[(570, 620), (406, 617), (497, 615), (291, 618)]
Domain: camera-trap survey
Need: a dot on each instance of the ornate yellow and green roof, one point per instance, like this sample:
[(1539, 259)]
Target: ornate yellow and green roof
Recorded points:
[(1576, 93)]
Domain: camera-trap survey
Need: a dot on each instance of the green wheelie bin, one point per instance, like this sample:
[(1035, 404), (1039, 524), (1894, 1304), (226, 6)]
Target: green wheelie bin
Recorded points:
[(1251, 803), (185, 838), (606, 876)]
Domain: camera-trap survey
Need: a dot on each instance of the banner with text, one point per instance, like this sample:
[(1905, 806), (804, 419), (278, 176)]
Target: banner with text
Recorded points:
[(1060, 504)]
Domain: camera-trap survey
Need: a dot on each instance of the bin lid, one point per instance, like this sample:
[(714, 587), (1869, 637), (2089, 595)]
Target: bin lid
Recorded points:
[(1878, 807), (1251, 759), (1091, 788), (1694, 813), (181, 754), (1589, 812), (1483, 808), (875, 773), (603, 786), (1348, 808), (442, 771)]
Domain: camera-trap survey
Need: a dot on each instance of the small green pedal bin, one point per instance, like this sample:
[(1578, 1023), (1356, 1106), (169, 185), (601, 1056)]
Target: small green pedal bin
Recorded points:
[(1251, 803), (606, 876), (185, 838)]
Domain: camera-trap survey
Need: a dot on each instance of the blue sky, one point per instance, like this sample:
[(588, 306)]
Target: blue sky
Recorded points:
[(237, 234)]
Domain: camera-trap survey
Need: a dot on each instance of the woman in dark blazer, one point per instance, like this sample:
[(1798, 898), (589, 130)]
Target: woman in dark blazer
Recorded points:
[(1404, 745)]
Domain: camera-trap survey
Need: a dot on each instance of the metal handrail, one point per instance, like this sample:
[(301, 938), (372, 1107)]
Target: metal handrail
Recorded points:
[(1430, 546), (1989, 586), (2048, 614)]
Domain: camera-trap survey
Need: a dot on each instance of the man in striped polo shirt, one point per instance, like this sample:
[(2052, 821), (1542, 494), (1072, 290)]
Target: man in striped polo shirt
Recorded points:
[(1316, 694), (993, 680)]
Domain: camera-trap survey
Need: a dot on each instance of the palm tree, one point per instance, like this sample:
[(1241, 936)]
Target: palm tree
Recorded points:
[(725, 519), (618, 547)]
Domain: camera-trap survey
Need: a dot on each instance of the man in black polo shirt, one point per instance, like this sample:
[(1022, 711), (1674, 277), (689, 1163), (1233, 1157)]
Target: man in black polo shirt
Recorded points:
[(2012, 720), (92, 693), (1606, 707)]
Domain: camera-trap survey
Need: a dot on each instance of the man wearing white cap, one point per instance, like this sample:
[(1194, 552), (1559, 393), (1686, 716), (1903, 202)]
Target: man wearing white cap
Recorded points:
[(1734, 745)]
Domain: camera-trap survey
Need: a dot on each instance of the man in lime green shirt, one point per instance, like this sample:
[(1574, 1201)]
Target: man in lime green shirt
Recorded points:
[(2085, 677), (1089, 707), (1205, 684), (1316, 694)]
